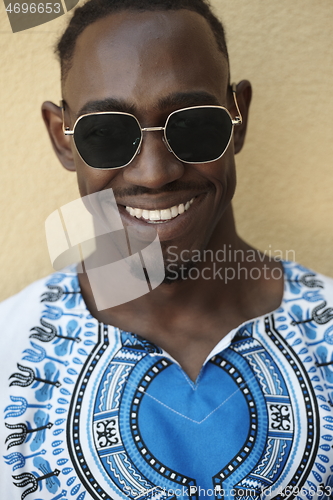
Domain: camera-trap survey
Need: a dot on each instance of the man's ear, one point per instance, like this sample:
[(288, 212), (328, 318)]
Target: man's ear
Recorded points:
[(244, 95), (52, 116)]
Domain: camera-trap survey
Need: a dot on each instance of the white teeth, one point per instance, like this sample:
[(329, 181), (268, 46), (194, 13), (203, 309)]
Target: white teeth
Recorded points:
[(166, 214), (174, 211), (154, 215), (138, 212), (160, 215)]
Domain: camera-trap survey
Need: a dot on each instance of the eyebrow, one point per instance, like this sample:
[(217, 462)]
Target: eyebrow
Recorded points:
[(174, 100), (108, 104), (187, 99)]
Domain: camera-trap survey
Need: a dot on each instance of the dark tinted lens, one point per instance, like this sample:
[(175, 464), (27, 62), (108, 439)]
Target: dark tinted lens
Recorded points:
[(107, 140), (199, 134)]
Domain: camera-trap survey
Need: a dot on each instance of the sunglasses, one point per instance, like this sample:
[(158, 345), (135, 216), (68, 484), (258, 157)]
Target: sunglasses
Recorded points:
[(198, 134)]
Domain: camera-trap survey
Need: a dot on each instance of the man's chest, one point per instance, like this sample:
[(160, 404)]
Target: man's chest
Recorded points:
[(94, 412)]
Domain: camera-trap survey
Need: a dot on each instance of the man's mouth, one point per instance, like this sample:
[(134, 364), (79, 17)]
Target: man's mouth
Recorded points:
[(159, 216)]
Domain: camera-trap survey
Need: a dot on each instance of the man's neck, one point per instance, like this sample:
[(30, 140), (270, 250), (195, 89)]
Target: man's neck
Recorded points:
[(189, 317)]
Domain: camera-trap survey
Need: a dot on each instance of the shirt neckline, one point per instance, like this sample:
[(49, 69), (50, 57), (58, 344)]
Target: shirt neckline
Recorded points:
[(222, 344), (227, 339)]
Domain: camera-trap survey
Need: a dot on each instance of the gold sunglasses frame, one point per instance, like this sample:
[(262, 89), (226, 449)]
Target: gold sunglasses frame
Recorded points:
[(234, 121)]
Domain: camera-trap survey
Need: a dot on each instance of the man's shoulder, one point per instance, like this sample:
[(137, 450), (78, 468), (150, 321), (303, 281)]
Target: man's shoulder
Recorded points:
[(22, 304), (298, 274), (308, 300), (27, 303)]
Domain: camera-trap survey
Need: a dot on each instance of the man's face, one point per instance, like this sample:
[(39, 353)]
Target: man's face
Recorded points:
[(150, 64)]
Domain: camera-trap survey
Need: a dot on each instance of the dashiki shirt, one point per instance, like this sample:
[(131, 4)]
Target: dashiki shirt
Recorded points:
[(92, 412)]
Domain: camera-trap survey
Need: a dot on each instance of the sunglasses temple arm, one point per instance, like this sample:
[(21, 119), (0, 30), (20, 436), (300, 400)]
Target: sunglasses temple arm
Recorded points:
[(66, 130), (238, 120)]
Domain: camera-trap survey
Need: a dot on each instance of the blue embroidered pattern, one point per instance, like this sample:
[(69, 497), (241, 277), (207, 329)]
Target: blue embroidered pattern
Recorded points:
[(98, 413)]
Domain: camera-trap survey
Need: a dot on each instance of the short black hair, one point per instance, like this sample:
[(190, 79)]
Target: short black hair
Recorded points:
[(93, 10)]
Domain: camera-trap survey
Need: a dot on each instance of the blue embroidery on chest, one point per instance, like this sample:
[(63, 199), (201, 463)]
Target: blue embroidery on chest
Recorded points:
[(126, 408)]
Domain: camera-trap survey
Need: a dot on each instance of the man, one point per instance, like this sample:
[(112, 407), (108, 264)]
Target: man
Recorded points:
[(214, 384)]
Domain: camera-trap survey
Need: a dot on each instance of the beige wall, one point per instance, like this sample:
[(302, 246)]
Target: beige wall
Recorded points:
[(285, 190)]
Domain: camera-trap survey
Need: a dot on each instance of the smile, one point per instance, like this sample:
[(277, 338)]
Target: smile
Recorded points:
[(158, 216)]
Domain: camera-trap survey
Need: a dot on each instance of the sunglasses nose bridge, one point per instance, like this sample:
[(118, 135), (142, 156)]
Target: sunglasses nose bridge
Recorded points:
[(152, 129), (156, 129)]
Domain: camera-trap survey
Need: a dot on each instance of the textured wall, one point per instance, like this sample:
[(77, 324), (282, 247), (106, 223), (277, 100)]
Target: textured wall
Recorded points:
[(285, 190)]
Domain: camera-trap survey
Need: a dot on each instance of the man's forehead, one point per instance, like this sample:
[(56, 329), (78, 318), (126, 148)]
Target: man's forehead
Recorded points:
[(134, 56)]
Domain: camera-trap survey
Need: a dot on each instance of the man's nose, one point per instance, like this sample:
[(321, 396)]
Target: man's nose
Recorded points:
[(155, 166)]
